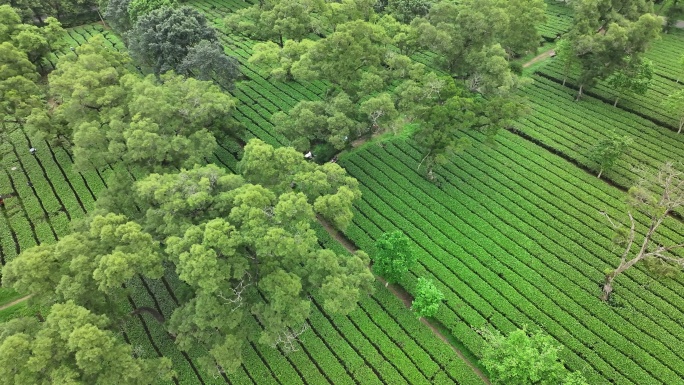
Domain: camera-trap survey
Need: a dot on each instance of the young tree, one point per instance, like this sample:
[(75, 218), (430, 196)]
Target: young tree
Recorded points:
[(675, 105), (427, 299), (655, 195), (523, 358), (634, 79), (393, 257), (72, 346), (607, 151)]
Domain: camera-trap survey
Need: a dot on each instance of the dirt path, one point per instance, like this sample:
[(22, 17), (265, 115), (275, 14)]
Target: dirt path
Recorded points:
[(16, 301), (538, 58), (405, 297)]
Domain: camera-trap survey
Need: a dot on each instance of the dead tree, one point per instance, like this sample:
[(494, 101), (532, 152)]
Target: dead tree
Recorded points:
[(656, 196)]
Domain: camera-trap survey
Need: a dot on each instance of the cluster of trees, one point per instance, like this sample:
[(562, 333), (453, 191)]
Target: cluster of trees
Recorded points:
[(242, 244), (39, 11), (375, 85)]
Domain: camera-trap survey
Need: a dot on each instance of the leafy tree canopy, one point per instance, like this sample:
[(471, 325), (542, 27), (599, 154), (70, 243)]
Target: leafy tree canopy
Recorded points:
[(393, 256), (174, 39), (138, 8), (32, 11), (609, 35), (72, 346), (523, 358), (278, 20), (87, 266), (428, 298), (245, 245)]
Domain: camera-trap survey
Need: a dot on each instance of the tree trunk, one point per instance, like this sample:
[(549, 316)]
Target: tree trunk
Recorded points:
[(681, 125), (579, 94), (616, 101), (386, 283), (599, 174)]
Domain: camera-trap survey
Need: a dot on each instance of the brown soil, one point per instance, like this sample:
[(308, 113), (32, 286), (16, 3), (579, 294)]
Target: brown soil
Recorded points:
[(538, 58), (404, 296), (16, 301)]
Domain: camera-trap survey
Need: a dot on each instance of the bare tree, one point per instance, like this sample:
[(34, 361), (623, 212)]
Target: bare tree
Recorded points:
[(656, 196)]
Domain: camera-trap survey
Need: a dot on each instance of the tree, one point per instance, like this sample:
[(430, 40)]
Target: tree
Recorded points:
[(393, 257), (35, 42), (524, 16), (249, 248), (162, 38), (72, 346), (407, 10), (88, 266), (138, 8), (276, 60), (36, 11), (18, 89), (675, 105), (524, 358), (85, 87), (117, 15), (608, 35), (427, 299), (655, 195), (608, 150), (207, 61), (310, 123), (327, 187), (279, 20), (634, 79)]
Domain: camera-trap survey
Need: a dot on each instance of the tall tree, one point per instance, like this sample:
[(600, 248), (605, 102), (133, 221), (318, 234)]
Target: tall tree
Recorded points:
[(393, 257), (607, 35), (72, 346), (163, 38), (84, 88), (407, 10), (279, 20), (208, 61), (88, 266), (117, 15), (249, 248), (138, 8), (656, 196), (523, 358), (19, 92)]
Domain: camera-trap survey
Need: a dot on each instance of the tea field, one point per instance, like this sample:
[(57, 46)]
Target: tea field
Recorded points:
[(511, 232)]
